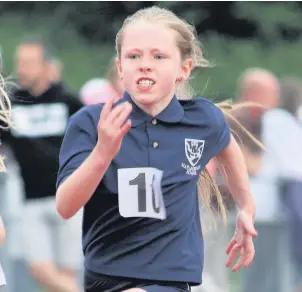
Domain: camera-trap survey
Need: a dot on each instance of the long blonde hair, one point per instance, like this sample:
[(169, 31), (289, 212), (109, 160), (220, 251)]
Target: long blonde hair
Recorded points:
[(190, 47), (5, 114)]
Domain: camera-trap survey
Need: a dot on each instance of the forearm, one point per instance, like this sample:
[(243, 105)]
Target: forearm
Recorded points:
[(78, 188), (234, 169)]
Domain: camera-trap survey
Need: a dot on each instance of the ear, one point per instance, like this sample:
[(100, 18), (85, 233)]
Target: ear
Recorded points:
[(119, 67), (186, 68)]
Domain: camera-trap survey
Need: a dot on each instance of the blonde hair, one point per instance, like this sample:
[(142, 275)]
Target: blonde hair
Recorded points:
[(190, 47), (112, 73), (5, 114)]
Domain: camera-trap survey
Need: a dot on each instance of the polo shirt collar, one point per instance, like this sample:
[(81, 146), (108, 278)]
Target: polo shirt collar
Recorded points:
[(173, 113)]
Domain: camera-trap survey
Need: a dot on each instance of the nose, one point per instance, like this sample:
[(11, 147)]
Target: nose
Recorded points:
[(145, 65), (145, 69)]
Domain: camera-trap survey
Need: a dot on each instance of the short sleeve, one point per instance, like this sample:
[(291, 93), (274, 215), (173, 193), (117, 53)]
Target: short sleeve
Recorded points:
[(221, 133), (79, 141)]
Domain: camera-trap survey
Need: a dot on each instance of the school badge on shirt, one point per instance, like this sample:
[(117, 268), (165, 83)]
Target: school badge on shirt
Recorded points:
[(193, 151)]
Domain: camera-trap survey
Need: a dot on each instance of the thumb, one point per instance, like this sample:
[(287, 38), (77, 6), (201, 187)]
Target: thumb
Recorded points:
[(248, 225)]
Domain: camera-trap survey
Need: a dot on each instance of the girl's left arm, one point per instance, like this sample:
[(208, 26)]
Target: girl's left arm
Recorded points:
[(232, 166)]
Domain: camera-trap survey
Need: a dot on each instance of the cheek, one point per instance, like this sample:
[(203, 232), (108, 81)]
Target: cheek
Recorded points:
[(168, 83), (128, 81), (168, 77), (126, 70)]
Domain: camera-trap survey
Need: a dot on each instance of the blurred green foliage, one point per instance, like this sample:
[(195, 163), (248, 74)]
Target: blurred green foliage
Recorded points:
[(84, 60)]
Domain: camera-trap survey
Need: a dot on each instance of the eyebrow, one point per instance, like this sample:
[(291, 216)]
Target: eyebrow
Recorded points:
[(153, 50)]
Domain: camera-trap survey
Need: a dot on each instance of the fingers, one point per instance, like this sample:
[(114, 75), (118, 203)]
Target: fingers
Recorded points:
[(240, 261), (106, 109), (247, 253), (233, 254), (230, 245), (114, 119), (117, 116), (125, 128), (122, 116)]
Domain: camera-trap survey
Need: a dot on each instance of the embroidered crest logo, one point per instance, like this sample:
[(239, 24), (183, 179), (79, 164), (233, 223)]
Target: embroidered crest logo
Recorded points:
[(193, 149)]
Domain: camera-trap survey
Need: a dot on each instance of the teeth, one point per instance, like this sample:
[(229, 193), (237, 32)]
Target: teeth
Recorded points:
[(145, 82)]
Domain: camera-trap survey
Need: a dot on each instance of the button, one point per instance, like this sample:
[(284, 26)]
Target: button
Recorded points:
[(154, 122), (155, 144)]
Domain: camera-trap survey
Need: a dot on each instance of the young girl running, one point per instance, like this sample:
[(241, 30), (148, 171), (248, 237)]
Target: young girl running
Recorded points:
[(136, 166)]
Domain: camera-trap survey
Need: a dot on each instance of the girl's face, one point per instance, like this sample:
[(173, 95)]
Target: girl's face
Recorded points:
[(150, 63)]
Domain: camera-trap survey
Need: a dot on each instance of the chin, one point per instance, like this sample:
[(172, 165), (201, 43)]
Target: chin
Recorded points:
[(144, 98), (24, 85)]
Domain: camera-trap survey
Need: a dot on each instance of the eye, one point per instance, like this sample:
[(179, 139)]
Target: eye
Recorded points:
[(159, 57), (133, 57)]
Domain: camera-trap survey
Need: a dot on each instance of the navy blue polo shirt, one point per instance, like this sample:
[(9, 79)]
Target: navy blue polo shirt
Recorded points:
[(179, 141)]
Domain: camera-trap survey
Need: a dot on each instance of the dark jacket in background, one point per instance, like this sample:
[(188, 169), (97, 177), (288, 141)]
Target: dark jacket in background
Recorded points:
[(39, 127)]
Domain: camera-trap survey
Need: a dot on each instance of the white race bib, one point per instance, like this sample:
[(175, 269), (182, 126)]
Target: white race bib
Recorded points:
[(140, 194)]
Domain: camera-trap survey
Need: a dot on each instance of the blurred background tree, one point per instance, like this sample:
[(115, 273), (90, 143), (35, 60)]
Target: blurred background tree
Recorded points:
[(235, 36)]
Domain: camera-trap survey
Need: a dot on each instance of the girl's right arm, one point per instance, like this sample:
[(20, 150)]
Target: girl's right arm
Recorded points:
[(77, 189)]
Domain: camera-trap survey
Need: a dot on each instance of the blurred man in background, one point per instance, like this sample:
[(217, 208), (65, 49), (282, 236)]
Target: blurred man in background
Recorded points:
[(290, 102), (280, 165), (55, 70), (41, 109)]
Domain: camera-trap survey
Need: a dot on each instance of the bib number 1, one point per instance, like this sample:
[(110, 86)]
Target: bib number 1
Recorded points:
[(140, 194)]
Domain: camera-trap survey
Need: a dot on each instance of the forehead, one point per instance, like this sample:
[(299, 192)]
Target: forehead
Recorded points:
[(144, 35), (29, 51)]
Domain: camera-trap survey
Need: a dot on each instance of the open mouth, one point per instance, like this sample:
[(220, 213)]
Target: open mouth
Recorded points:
[(145, 82)]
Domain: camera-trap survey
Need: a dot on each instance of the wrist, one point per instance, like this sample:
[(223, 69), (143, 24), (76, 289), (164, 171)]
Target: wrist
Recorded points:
[(249, 210), (100, 158)]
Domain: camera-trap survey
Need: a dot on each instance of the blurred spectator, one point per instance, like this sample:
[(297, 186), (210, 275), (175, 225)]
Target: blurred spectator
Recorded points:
[(55, 70), (41, 108), (282, 136), (291, 100), (99, 90), (291, 96)]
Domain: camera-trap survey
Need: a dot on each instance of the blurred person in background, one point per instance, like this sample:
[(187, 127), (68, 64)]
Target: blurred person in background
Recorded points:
[(99, 90), (10, 205), (291, 96), (41, 109), (279, 166), (290, 101), (265, 273), (55, 70), (5, 122)]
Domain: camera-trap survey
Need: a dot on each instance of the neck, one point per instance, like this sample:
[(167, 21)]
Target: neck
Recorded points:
[(155, 109), (40, 88)]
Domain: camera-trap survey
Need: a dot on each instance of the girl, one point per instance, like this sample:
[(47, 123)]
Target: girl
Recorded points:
[(135, 166), (5, 121)]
